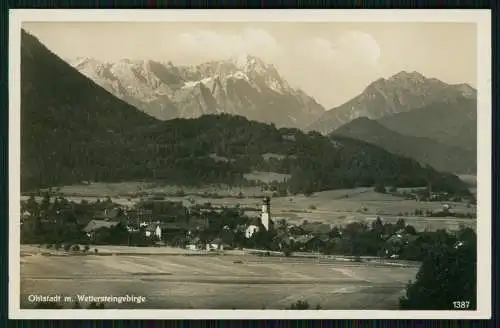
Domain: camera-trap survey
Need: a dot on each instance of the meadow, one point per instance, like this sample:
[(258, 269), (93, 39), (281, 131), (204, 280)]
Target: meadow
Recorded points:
[(215, 282)]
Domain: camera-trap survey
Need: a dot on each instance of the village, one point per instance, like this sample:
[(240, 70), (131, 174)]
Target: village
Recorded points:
[(58, 223)]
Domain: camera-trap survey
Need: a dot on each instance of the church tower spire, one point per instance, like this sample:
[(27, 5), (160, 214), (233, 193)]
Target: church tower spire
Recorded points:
[(266, 212)]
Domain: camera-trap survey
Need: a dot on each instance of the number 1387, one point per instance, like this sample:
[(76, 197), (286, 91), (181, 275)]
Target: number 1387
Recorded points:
[(461, 305)]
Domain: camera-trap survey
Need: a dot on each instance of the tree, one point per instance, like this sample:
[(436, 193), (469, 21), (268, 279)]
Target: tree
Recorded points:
[(117, 235), (263, 239), (378, 226), (282, 225), (447, 275), (334, 233), (45, 204), (400, 224), (411, 230), (357, 239), (380, 188), (467, 235), (32, 206)]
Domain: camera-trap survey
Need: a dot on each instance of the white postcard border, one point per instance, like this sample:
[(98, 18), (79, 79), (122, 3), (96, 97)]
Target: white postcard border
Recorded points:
[(481, 17)]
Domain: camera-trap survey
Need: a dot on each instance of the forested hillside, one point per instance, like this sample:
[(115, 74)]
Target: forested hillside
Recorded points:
[(69, 124), (427, 151)]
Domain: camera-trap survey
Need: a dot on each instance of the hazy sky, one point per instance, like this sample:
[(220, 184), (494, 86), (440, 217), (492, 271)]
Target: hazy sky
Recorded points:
[(333, 62)]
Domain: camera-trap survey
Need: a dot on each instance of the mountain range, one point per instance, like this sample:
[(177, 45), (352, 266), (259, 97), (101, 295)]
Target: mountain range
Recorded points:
[(401, 93), (441, 116), (73, 130), (409, 114), (242, 85)]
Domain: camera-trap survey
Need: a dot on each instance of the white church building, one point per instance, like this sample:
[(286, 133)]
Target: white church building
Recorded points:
[(265, 218), (251, 230)]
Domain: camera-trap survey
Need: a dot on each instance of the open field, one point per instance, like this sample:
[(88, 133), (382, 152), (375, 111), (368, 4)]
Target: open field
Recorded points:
[(215, 282), (336, 207), (267, 177), (115, 250), (125, 189)]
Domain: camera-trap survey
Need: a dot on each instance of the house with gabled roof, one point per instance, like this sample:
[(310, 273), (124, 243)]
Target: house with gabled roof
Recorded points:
[(398, 240), (161, 230), (95, 225), (317, 242), (153, 230), (215, 245), (194, 244)]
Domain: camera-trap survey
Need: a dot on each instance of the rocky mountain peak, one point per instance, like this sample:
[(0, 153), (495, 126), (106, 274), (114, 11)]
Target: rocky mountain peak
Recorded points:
[(402, 92), (408, 76), (244, 85), (252, 64)]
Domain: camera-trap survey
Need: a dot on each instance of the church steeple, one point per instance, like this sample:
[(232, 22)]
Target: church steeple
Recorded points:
[(266, 212)]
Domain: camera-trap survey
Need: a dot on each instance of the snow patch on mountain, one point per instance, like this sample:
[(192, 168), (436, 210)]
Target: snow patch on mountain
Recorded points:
[(239, 75)]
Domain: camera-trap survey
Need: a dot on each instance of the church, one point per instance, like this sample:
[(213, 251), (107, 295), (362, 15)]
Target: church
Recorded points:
[(265, 219)]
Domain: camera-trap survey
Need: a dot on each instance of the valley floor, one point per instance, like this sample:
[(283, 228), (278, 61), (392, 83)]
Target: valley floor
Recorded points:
[(230, 281)]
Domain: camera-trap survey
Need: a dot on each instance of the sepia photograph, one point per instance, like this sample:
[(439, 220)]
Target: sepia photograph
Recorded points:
[(197, 163)]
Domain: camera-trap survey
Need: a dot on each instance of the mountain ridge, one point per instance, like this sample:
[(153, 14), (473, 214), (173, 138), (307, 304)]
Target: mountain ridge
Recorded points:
[(427, 151), (450, 125), (242, 85), (402, 92)]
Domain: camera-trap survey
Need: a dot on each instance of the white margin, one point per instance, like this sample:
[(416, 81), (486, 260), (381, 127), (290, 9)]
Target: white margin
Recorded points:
[(481, 17)]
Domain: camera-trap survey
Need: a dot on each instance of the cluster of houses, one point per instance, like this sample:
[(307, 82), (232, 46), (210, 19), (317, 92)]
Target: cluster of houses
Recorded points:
[(426, 194), (309, 236), (139, 220)]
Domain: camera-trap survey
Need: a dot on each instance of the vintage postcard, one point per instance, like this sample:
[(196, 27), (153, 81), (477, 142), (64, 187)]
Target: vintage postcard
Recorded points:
[(250, 164)]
